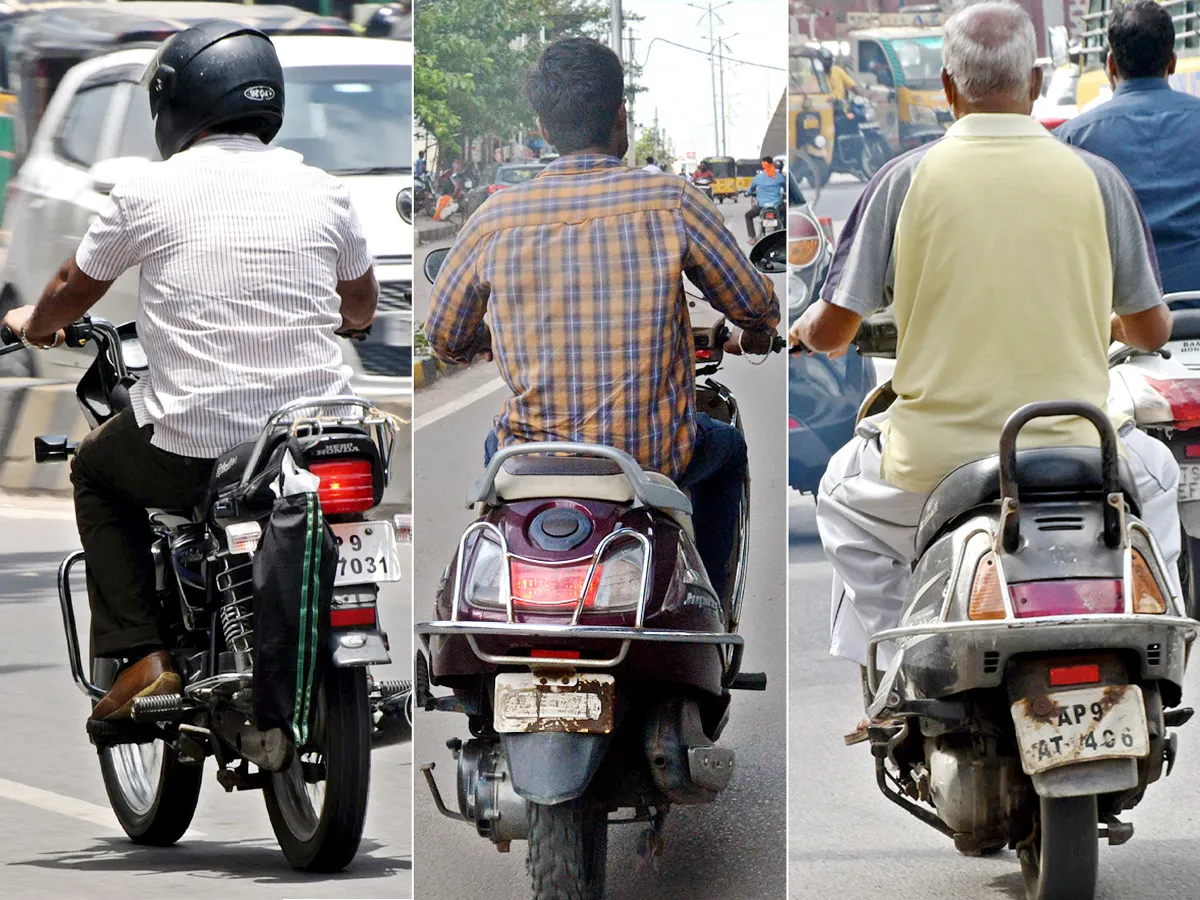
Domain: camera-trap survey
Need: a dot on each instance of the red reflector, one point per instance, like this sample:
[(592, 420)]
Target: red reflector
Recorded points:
[(551, 586), (703, 354), (347, 485), (554, 654), (1061, 676), (1192, 451), (355, 615), (1070, 597)]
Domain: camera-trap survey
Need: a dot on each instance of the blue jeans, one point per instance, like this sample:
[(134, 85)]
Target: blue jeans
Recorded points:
[(714, 480)]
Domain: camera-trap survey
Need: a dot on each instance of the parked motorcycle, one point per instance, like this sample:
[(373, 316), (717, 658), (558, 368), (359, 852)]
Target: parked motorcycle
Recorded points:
[(152, 764), (1161, 390), (1038, 664), (578, 631), (424, 195), (860, 149)]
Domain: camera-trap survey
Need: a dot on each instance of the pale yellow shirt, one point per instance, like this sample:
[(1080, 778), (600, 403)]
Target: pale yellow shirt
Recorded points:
[(1003, 253), (840, 82)]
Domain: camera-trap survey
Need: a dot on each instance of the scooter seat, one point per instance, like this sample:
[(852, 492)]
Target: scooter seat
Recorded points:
[(1185, 324), (1046, 473), (577, 478)]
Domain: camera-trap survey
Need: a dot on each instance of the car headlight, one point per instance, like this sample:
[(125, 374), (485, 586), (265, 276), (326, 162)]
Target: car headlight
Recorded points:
[(922, 115)]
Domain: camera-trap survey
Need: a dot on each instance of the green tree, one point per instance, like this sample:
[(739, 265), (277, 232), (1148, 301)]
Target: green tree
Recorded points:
[(472, 57), (649, 144)]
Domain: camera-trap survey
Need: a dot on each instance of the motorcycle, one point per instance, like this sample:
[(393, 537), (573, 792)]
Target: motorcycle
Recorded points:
[(705, 183), (578, 631), (1038, 664), (1161, 391), (860, 149), (153, 763), (424, 195), (770, 220)]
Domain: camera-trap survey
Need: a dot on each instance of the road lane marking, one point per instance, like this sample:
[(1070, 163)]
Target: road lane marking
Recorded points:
[(67, 514), (459, 403), (66, 806)]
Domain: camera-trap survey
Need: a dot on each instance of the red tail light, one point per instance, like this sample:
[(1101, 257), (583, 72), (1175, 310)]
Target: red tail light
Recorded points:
[(703, 354), (1085, 596), (769, 214), (554, 654), (352, 616), (1063, 676), (827, 226), (551, 587), (1183, 396), (347, 485), (1192, 451)]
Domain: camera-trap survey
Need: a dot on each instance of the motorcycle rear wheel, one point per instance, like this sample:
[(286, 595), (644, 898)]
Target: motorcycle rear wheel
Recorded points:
[(152, 793), (318, 805), (1062, 862), (568, 850)]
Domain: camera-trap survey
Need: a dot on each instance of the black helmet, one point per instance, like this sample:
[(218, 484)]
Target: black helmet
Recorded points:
[(214, 72), (383, 21)]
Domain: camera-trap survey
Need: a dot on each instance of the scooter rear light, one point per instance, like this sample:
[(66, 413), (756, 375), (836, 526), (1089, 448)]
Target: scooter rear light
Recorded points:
[(1183, 396), (1147, 595), (347, 485), (1082, 596), (703, 354), (551, 587), (554, 654), (987, 601), (1192, 451), (1065, 676)]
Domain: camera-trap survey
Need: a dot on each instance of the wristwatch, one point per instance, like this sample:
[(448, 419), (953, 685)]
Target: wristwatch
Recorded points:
[(30, 344)]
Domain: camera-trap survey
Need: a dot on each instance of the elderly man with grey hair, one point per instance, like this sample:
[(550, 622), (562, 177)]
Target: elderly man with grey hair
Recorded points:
[(1008, 258)]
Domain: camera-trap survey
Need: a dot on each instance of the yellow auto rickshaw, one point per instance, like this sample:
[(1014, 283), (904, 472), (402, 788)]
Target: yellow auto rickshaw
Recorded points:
[(901, 69), (811, 128), (746, 170), (724, 170), (1093, 85)]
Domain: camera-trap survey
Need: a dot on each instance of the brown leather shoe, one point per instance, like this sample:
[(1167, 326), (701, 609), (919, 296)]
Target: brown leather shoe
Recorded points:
[(148, 677)]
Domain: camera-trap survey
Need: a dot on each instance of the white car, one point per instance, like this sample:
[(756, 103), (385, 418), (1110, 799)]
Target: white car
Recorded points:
[(349, 111)]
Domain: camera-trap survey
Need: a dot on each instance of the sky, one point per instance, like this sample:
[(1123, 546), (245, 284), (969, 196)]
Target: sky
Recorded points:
[(678, 82)]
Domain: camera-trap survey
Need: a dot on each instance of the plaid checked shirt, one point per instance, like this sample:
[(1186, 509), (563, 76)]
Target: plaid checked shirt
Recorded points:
[(579, 275)]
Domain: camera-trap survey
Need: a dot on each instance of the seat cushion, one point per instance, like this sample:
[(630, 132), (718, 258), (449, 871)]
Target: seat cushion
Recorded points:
[(1046, 473), (1185, 324)]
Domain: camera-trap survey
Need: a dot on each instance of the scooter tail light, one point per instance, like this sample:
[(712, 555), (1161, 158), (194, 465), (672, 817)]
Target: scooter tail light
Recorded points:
[(987, 600), (347, 485), (1067, 597), (1147, 595), (1182, 396), (551, 587), (352, 617)]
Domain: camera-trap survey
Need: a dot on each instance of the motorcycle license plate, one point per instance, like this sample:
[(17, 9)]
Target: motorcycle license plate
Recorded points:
[(1081, 725), (366, 553), (1189, 482), (526, 702)]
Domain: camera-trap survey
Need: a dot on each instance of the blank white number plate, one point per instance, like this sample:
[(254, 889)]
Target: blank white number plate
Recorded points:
[(366, 553)]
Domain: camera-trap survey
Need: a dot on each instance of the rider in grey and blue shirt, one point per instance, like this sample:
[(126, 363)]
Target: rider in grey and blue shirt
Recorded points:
[(767, 190)]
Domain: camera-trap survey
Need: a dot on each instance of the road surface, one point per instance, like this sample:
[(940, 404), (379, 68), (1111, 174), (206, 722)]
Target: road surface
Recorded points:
[(731, 849)]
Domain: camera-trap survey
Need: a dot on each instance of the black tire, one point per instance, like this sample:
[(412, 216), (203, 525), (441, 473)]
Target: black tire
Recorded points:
[(326, 839), (568, 850), (1063, 861), (154, 809), (1188, 579)]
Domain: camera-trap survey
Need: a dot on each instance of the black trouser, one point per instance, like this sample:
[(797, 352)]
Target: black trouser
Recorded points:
[(751, 215), (117, 475)]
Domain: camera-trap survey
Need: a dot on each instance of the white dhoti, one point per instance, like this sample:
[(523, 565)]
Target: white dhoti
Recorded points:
[(869, 527)]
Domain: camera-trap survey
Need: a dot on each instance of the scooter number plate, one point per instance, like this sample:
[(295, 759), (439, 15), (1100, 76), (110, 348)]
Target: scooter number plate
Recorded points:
[(1081, 725), (1189, 482), (580, 704), (367, 553)]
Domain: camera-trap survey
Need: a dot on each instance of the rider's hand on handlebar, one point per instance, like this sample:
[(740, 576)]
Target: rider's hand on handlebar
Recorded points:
[(741, 341), (16, 319), (483, 344)]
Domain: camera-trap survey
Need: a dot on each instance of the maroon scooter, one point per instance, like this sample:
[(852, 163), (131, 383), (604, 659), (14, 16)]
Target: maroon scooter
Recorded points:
[(578, 631)]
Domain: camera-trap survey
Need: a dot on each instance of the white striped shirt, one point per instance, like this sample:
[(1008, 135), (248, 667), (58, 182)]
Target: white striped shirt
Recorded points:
[(241, 247)]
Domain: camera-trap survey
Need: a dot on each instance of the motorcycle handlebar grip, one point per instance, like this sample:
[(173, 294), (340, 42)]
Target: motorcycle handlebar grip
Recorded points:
[(778, 344), (8, 336), (76, 334)]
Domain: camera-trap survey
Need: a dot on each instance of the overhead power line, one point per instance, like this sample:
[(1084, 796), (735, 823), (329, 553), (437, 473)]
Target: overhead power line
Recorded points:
[(729, 59)]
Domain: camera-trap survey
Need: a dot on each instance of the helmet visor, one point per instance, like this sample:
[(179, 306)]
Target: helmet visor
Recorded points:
[(157, 79)]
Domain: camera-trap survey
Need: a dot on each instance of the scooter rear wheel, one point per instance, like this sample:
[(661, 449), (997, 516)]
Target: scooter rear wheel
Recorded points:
[(568, 850), (1062, 862)]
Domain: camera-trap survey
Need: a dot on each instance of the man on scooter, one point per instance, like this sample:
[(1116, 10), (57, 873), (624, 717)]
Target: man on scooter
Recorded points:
[(579, 273), (982, 330), (250, 262), (1152, 134), (766, 190)]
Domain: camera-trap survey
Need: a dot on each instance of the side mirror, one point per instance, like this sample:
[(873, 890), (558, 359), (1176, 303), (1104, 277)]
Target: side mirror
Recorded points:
[(1057, 38), (770, 254), (108, 173), (433, 263)]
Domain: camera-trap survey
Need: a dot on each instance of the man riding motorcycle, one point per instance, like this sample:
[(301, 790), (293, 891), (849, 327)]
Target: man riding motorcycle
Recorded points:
[(981, 332), (1151, 133), (579, 274), (250, 263), (766, 190)]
